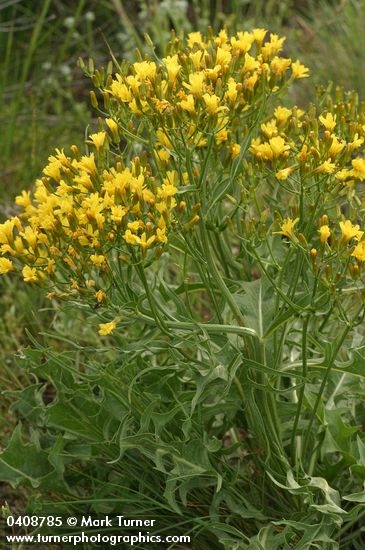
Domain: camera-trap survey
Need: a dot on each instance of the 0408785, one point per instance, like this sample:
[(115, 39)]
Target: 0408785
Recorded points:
[(34, 521)]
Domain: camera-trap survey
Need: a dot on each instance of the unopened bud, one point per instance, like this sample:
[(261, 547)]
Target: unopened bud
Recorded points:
[(75, 151)]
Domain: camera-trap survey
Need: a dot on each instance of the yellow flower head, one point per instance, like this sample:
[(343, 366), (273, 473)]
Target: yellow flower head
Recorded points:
[(6, 265), (145, 69), (235, 150), (259, 35), (328, 121), (195, 38), (287, 227), (359, 251), (270, 128), (336, 147), (278, 146), (326, 167), (120, 91), (112, 125), (223, 57), (107, 328), (358, 168), (212, 103), (196, 83), (324, 233), (282, 114), (350, 231), (299, 70), (188, 104), (98, 139), (284, 173), (97, 259), (29, 274), (243, 42), (172, 66)]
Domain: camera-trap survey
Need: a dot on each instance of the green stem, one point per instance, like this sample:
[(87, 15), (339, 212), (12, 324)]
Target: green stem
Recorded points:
[(323, 385), (295, 449), (217, 276), (210, 328)]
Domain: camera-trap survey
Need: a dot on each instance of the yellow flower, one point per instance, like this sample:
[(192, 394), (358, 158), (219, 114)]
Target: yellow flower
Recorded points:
[(98, 139), (358, 168), (52, 170), (231, 93), (299, 70), (270, 128), (97, 259), (259, 35), (112, 125), (350, 231), (172, 66), (279, 65), (107, 328), (6, 231), (243, 42), (284, 173), (359, 252), (135, 83), (212, 103), (162, 155), (196, 83), (262, 151), (87, 163), (145, 243), (235, 150), (24, 199), (161, 235), (250, 64), (325, 233), (130, 238), (249, 83), (287, 227), (197, 59), (120, 91), (223, 57), (29, 274), (282, 114), (328, 121), (188, 104), (100, 296), (194, 38), (344, 174), (336, 147), (326, 167), (356, 143), (278, 146), (6, 265), (145, 69), (274, 46)]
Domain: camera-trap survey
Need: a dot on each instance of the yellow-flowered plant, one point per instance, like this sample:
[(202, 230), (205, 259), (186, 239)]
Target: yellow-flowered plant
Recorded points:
[(217, 232)]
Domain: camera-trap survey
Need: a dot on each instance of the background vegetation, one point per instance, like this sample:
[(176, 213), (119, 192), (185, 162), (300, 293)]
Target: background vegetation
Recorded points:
[(44, 103)]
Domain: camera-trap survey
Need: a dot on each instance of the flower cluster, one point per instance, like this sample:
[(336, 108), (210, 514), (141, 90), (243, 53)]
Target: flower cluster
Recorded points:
[(85, 214), (300, 145), (207, 86), (307, 166)]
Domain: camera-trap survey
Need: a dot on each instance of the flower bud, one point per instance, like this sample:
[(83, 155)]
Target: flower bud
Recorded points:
[(93, 99)]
